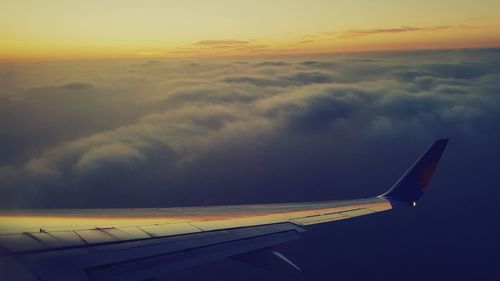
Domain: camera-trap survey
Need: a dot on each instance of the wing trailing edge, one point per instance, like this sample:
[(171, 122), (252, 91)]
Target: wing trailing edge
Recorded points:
[(268, 259)]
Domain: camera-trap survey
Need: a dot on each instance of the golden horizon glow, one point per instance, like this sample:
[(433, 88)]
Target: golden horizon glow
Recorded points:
[(66, 30)]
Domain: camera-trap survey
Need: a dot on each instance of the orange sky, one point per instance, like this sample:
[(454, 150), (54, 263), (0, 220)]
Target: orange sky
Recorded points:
[(57, 30)]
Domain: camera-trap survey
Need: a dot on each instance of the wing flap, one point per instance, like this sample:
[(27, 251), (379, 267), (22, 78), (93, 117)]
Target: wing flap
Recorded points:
[(142, 259), (163, 264)]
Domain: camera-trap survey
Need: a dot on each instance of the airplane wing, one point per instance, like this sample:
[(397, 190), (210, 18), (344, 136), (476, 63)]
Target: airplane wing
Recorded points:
[(141, 244)]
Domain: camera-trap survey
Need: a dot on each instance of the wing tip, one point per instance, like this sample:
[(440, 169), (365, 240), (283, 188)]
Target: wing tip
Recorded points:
[(414, 182)]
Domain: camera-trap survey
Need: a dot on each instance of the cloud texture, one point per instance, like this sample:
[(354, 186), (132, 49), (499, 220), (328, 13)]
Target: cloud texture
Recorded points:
[(76, 135)]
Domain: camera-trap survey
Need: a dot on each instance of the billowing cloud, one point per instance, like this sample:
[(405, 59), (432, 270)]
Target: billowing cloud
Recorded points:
[(171, 132)]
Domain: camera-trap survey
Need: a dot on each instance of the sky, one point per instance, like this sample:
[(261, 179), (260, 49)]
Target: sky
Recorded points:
[(73, 30), (191, 132)]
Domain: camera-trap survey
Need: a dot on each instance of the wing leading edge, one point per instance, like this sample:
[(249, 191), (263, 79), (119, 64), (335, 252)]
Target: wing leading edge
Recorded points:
[(138, 244)]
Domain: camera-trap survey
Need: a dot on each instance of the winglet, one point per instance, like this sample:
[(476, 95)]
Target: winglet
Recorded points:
[(414, 182)]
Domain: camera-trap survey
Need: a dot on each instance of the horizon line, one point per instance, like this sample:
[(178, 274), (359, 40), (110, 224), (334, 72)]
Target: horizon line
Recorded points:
[(245, 56)]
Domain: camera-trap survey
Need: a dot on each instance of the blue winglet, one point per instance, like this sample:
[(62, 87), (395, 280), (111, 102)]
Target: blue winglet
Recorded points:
[(412, 185)]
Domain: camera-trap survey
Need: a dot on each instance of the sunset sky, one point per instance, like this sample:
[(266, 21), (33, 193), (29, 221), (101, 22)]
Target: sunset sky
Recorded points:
[(58, 29)]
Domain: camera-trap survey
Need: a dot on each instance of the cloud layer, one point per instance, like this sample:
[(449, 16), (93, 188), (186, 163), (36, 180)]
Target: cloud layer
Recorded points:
[(156, 132)]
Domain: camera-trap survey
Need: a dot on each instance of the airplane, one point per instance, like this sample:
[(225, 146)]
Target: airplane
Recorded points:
[(144, 244)]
